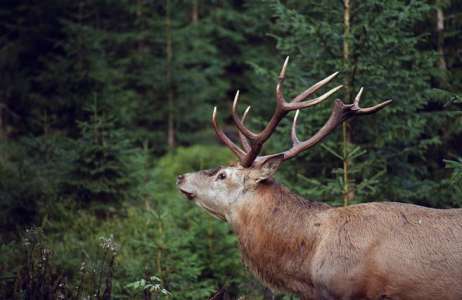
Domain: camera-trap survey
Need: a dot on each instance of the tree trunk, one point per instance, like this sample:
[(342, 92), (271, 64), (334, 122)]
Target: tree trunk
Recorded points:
[(141, 45), (440, 43), (171, 135), (2, 124), (348, 193), (195, 12)]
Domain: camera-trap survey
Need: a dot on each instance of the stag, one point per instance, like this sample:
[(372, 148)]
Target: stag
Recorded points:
[(381, 250)]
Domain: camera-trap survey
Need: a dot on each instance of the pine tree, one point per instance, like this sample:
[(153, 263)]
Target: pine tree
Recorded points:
[(100, 174), (390, 60)]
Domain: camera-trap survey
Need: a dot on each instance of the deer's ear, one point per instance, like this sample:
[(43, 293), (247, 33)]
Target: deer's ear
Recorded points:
[(269, 167)]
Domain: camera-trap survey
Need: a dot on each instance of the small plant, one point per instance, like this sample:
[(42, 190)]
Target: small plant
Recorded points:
[(456, 166), (39, 276), (453, 184), (151, 285), (110, 249)]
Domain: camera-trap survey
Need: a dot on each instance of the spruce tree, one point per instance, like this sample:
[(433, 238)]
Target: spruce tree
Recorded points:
[(391, 59), (100, 174)]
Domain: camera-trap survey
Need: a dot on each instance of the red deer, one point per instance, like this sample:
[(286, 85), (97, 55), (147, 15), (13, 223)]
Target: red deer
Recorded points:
[(381, 250)]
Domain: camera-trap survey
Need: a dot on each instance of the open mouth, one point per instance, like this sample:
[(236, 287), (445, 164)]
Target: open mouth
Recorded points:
[(188, 195)]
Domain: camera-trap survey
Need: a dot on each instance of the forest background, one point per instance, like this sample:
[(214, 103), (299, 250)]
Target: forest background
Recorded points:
[(103, 103)]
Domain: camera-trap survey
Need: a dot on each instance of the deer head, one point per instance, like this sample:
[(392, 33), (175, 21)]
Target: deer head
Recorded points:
[(219, 190)]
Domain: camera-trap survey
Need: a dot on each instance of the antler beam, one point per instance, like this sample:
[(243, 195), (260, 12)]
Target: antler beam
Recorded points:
[(253, 142), (340, 113)]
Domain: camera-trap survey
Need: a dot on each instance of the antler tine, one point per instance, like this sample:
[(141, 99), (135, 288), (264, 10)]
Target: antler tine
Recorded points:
[(247, 132), (244, 115), (282, 74), (367, 110), (375, 108), (308, 92), (301, 105), (280, 101), (224, 138), (244, 140), (293, 132), (358, 97)]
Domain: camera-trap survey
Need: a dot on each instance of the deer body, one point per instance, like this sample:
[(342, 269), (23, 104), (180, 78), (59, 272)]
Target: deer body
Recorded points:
[(366, 251), (371, 251)]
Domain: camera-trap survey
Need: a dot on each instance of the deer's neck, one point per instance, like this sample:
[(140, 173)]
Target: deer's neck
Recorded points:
[(278, 232)]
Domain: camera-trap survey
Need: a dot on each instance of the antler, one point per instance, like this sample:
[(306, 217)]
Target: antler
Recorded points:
[(340, 113), (253, 142)]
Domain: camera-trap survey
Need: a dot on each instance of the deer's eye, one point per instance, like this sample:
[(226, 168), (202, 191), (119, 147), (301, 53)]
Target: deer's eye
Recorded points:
[(221, 176)]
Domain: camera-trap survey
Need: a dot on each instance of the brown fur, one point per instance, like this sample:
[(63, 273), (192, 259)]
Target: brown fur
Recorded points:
[(366, 251)]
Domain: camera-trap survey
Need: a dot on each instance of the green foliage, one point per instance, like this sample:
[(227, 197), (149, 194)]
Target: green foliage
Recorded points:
[(100, 172), (167, 238), (399, 145), (90, 90), (190, 159), (38, 275), (179, 216), (17, 191), (456, 166), (451, 187), (152, 285), (32, 177)]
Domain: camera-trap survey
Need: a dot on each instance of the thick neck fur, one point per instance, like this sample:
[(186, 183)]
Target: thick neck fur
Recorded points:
[(278, 232)]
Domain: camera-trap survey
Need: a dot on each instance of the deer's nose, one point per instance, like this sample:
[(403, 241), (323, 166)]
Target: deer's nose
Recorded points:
[(179, 179)]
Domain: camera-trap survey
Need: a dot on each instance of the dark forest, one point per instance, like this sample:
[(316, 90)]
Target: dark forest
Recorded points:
[(103, 103)]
